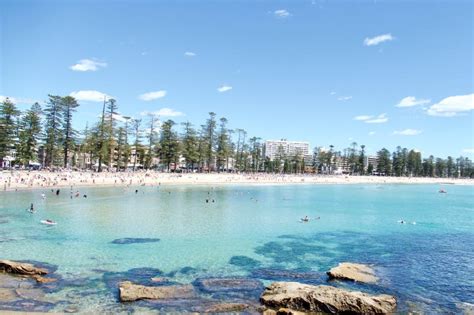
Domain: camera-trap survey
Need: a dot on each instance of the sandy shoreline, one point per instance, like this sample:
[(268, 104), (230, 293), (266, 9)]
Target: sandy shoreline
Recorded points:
[(20, 180)]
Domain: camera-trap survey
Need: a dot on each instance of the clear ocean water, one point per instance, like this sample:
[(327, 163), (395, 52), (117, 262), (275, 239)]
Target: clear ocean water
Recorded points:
[(248, 231)]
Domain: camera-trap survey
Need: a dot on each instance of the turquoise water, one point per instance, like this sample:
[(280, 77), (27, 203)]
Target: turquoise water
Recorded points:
[(249, 231)]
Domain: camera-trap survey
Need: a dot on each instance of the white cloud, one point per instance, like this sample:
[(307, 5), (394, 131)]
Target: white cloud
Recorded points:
[(282, 13), (224, 88), (411, 101), (150, 96), (407, 132), (470, 150), (163, 112), (380, 119), (373, 41), (90, 96), (332, 93), (371, 133), (189, 54), (88, 65), (344, 98), (452, 106), (362, 117)]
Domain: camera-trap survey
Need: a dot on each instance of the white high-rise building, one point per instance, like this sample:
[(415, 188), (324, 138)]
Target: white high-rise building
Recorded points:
[(274, 148)]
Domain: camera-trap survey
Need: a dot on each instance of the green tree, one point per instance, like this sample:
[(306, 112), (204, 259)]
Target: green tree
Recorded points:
[(136, 123), (69, 105), (53, 129), (384, 164), (169, 145), (210, 131), (8, 127), (190, 145), (29, 134), (222, 151)]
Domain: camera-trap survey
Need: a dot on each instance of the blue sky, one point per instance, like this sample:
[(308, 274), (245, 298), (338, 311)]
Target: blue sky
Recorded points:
[(328, 72)]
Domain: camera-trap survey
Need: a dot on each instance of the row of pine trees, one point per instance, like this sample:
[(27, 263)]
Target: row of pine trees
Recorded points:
[(121, 142)]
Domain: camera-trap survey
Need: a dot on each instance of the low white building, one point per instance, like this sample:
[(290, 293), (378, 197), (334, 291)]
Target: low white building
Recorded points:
[(275, 148)]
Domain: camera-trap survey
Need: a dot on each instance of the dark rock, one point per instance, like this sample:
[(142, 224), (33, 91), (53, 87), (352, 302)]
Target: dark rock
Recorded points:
[(226, 308), (244, 261), (212, 285), (130, 240), (288, 275)]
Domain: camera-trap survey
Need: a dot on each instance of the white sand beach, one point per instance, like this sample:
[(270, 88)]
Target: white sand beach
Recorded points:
[(16, 180)]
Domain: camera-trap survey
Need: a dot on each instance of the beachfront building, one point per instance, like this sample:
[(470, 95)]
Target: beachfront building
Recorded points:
[(278, 148), (370, 160)]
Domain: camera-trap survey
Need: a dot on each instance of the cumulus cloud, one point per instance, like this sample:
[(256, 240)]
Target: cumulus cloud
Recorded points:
[(362, 117), (150, 96), (88, 65), (224, 88), (382, 118), (373, 41), (452, 106), (332, 93), (411, 101), (371, 133), (163, 112), (189, 54), (344, 98), (407, 132), (282, 13), (90, 96)]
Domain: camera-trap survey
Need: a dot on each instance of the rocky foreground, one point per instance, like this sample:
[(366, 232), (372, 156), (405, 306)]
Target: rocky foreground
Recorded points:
[(277, 298)]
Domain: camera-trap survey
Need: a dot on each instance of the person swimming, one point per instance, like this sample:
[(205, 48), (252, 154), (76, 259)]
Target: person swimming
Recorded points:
[(32, 208), (305, 219)]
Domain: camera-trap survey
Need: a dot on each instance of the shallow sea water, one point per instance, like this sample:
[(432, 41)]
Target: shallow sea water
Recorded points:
[(249, 231)]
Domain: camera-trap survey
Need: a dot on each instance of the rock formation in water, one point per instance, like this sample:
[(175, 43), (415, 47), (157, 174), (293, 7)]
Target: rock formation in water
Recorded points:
[(133, 292), (19, 268), (353, 272), (307, 298)]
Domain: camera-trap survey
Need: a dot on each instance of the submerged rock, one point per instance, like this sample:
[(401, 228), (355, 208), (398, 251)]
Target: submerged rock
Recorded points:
[(308, 298), (133, 292), (353, 272), (226, 308), (287, 275), (244, 261), (20, 268), (130, 240), (228, 284), (8, 295)]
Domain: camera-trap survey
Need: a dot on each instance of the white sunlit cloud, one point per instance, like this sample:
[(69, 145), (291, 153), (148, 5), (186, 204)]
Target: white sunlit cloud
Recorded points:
[(411, 101), (344, 98), (470, 150), (362, 117), (150, 96), (189, 54), (332, 93), (163, 112), (282, 13), (374, 41), (371, 133), (380, 119), (224, 88), (452, 106), (88, 65), (90, 96), (407, 132)]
